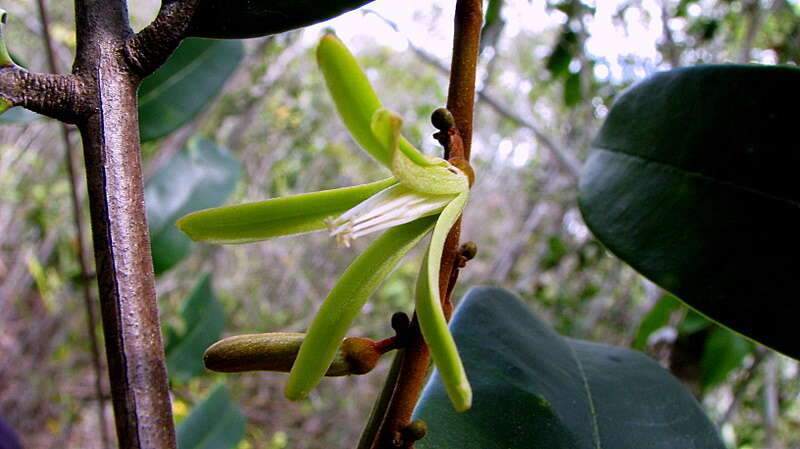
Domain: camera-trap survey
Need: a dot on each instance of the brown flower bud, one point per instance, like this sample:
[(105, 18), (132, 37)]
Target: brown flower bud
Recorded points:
[(277, 351)]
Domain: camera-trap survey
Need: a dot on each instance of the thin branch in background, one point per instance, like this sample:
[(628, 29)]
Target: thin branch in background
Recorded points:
[(507, 258), (752, 10), (756, 16), (771, 406), (570, 166), (669, 47), (741, 386), (84, 255)]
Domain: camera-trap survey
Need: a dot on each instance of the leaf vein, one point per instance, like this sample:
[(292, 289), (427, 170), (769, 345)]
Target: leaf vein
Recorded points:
[(590, 400), (700, 175)]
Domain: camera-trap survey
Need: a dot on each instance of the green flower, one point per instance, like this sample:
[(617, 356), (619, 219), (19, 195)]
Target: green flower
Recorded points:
[(425, 194)]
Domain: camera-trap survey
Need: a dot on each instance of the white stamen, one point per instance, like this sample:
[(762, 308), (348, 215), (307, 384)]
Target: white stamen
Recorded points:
[(390, 207)]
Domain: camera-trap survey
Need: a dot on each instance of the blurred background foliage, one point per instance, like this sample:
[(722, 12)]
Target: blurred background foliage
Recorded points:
[(549, 71)]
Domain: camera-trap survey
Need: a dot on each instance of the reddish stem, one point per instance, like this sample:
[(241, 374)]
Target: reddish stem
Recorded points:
[(461, 98)]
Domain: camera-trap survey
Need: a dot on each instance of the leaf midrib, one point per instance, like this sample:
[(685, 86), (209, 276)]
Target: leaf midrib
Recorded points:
[(589, 398), (699, 175), (177, 76)]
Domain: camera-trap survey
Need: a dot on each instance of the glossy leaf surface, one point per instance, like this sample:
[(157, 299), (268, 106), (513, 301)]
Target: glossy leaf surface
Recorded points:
[(185, 84), (203, 320), (536, 389), (202, 175), (692, 180), (217, 423), (236, 19)]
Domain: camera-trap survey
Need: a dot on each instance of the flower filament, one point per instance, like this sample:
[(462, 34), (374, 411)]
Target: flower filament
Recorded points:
[(390, 207)]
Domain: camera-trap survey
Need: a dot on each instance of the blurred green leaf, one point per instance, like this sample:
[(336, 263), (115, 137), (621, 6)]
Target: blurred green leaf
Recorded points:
[(704, 28), (693, 181), (558, 61), (572, 89), (655, 319), (236, 19), (203, 319), (492, 24), (203, 175), (535, 388), (723, 353), (217, 423), (556, 250), (692, 323), (185, 84), (19, 116)]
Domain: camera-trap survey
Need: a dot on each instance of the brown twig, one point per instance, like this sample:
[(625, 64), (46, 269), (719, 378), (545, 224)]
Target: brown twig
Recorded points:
[(149, 49), (134, 348), (56, 96), (466, 42), (84, 255), (461, 98)]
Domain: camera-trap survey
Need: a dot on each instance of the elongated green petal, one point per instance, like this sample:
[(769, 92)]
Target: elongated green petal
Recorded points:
[(5, 58), (425, 174), (415, 155), (276, 217), (431, 317), (345, 300), (385, 127), (353, 95)]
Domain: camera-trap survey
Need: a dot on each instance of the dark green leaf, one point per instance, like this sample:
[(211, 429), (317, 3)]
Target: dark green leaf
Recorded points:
[(203, 175), (217, 423), (558, 61), (723, 353), (236, 19), (556, 250), (693, 181), (203, 319), (536, 389), (572, 89), (185, 84), (655, 319), (704, 28), (19, 116)]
